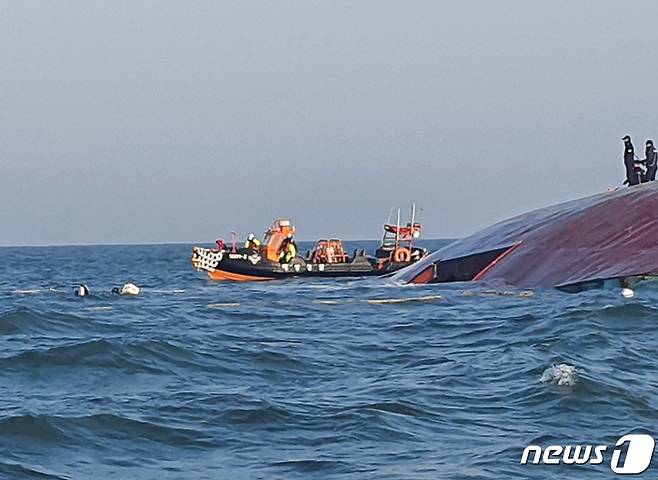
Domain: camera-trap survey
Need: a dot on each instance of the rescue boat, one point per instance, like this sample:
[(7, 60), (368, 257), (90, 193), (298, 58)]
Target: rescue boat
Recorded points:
[(266, 260)]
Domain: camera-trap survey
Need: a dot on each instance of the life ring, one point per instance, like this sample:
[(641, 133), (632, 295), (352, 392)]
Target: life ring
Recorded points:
[(402, 255)]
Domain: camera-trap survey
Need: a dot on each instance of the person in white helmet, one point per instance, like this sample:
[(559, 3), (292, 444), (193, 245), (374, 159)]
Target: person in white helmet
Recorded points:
[(252, 243)]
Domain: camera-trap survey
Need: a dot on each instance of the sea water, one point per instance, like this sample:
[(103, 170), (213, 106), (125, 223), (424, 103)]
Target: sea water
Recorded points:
[(306, 378)]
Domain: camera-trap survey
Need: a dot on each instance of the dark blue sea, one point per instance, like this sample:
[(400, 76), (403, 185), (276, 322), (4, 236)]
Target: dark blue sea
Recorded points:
[(307, 379)]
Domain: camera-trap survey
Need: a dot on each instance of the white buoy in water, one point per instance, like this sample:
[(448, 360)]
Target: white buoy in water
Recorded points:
[(81, 290), (627, 292), (130, 289)]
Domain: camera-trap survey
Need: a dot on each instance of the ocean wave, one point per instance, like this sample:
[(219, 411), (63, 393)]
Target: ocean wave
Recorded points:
[(257, 415), (151, 356), (397, 408), (626, 310), (37, 427), (312, 465), (67, 430), (25, 321), (16, 471), (119, 426)]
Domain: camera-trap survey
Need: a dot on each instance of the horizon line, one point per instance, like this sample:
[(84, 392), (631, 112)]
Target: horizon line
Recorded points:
[(126, 244), (110, 244)]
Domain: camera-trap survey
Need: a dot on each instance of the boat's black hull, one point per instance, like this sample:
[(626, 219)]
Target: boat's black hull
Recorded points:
[(242, 266)]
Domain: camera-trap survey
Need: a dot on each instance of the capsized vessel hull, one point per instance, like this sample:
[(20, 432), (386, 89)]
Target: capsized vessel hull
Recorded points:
[(604, 236)]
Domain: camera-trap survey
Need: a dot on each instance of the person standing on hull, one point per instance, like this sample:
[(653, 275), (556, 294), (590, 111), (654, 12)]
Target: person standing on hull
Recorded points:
[(629, 162), (650, 161)]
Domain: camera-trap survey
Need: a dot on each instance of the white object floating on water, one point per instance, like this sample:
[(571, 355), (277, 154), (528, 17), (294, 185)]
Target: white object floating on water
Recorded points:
[(562, 375), (81, 290), (129, 289), (628, 292)]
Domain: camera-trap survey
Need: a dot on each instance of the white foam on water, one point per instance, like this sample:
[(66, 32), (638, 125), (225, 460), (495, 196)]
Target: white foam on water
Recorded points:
[(223, 305), (99, 309), (27, 291), (281, 344), (562, 375), (156, 290), (424, 298), (327, 287), (327, 301)]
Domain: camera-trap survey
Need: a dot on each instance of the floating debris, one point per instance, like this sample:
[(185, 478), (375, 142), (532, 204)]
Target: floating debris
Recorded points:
[(82, 290), (562, 375), (127, 289), (628, 292), (500, 293), (130, 289)]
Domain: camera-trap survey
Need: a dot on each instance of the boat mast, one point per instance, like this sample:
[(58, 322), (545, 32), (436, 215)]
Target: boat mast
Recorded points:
[(413, 222)]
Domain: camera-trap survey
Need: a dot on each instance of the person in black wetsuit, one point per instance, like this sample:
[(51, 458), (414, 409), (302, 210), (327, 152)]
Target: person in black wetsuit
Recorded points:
[(629, 162), (650, 161)]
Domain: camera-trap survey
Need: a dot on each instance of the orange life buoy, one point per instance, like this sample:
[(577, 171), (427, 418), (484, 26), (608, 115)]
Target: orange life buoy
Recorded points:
[(402, 255)]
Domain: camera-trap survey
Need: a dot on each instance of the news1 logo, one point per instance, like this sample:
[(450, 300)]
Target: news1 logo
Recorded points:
[(631, 454)]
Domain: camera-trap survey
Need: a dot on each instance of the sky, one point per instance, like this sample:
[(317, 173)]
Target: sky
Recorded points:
[(160, 121)]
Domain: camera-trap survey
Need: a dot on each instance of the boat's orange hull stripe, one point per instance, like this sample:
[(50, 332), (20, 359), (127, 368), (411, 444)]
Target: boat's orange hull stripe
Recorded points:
[(486, 269), (235, 277)]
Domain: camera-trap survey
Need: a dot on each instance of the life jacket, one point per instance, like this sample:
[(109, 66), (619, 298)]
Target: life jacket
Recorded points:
[(288, 250)]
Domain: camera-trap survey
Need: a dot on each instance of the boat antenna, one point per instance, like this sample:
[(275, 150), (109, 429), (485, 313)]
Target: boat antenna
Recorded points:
[(390, 212), (397, 232)]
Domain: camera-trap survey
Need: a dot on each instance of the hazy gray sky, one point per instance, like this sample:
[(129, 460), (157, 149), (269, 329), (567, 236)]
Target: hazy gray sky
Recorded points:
[(140, 121)]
